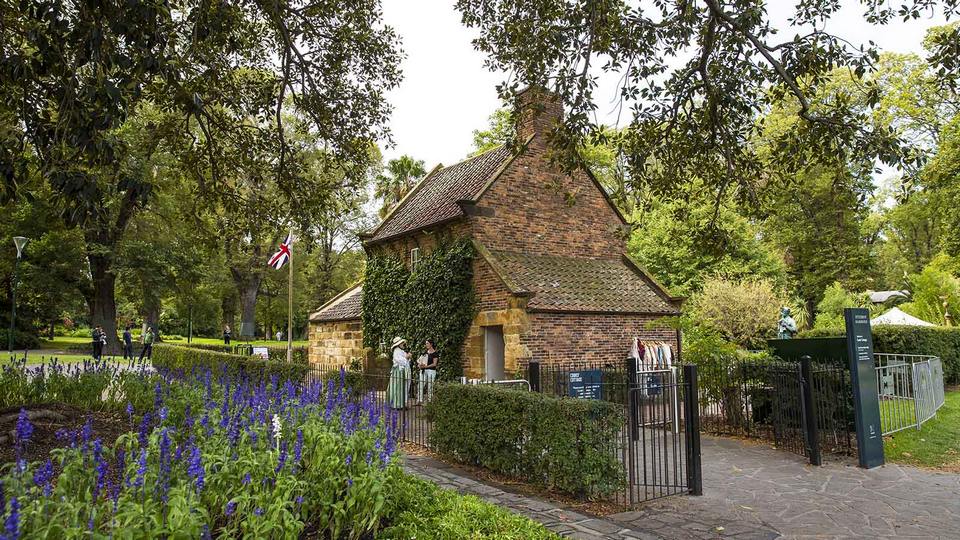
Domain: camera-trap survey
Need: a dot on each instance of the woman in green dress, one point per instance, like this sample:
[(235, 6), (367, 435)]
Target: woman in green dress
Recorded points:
[(399, 387)]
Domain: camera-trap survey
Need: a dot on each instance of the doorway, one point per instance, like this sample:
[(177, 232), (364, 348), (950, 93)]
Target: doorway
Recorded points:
[(493, 353)]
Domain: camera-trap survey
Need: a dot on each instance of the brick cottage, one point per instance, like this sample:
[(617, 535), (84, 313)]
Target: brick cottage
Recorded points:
[(552, 277)]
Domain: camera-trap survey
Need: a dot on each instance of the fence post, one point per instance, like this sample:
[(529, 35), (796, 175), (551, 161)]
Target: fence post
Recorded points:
[(691, 421), (533, 374), (811, 432), (632, 384)]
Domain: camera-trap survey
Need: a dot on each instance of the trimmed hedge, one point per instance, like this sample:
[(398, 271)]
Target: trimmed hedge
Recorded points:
[(563, 444), (943, 342), (186, 358), (275, 354)]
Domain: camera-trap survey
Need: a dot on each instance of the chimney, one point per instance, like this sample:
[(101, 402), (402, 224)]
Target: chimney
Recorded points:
[(537, 111)]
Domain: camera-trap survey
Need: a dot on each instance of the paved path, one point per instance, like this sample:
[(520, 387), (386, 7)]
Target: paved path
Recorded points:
[(755, 492)]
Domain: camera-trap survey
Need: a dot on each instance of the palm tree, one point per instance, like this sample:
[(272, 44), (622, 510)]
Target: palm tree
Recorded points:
[(400, 176)]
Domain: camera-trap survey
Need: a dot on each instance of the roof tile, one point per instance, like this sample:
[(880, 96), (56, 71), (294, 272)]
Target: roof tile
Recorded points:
[(434, 200), (343, 307), (580, 284)]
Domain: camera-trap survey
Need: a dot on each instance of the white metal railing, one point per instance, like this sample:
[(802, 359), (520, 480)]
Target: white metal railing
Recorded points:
[(910, 388)]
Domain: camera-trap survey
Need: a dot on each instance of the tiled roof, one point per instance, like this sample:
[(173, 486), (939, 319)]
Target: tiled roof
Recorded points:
[(434, 199), (581, 285), (343, 307)]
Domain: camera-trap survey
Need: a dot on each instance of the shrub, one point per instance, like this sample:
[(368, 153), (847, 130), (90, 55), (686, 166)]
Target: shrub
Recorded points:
[(21, 339), (275, 354), (743, 312), (556, 443), (943, 342), (419, 509), (187, 358)]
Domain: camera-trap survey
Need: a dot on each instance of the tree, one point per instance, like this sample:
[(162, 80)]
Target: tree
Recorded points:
[(73, 76), (835, 300), (942, 178), (695, 76), (669, 241), (399, 178), (935, 292)]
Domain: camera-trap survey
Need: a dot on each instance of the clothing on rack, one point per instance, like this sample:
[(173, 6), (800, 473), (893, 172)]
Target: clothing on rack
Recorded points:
[(652, 358)]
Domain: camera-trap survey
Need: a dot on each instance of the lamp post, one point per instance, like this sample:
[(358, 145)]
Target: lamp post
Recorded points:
[(20, 242)]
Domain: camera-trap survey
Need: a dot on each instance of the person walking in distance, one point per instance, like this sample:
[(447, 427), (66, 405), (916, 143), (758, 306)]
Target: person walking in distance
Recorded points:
[(226, 334), (97, 342), (127, 343), (148, 338)]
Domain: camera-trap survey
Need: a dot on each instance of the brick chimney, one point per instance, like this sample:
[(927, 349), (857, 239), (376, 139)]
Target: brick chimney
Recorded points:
[(537, 111)]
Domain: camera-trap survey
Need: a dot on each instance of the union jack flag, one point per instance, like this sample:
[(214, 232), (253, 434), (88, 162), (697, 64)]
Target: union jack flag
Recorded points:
[(283, 255)]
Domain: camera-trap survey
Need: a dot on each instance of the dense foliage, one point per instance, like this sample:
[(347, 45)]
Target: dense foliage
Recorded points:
[(274, 353), (214, 454), (743, 312), (941, 342), (564, 444), (173, 357), (435, 301)]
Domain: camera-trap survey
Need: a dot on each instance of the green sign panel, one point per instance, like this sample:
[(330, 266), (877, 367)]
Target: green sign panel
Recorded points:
[(863, 374)]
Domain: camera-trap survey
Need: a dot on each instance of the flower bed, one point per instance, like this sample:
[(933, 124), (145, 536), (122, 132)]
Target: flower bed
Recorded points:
[(214, 453)]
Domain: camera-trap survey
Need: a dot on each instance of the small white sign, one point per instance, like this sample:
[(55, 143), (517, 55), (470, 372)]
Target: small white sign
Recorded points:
[(262, 352)]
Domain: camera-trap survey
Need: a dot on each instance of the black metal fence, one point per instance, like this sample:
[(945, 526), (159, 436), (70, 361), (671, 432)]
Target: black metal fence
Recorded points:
[(776, 401), (658, 444)]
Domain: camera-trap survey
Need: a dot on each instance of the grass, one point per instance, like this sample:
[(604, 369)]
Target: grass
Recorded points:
[(935, 445), (43, 358), (64, 342)]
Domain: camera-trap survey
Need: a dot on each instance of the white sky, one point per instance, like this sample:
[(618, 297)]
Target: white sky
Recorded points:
[(447, 92)]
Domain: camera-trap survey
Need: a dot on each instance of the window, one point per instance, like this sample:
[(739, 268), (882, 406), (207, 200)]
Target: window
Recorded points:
[(414, 259)]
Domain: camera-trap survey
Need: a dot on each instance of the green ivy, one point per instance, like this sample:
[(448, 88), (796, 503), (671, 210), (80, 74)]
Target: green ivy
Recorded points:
[(437, 301)]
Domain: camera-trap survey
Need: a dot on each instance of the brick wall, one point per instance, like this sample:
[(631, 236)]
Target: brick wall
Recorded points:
[(336, 343), (528, 209), (426, 240), (555, 337)]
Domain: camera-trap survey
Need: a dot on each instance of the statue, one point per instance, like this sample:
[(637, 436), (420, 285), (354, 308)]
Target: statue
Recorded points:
[(787, 328)]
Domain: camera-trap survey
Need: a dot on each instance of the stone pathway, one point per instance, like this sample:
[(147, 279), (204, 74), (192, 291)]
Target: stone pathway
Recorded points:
[(555, 517), (755, 492)]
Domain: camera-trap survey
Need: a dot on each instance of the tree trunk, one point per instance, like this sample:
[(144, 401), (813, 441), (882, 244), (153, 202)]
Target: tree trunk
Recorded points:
[(228, 308), (248, 289), (151, 315), (102, 302)]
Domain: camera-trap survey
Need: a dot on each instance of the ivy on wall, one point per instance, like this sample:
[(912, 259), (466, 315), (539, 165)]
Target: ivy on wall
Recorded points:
[(437, 301)]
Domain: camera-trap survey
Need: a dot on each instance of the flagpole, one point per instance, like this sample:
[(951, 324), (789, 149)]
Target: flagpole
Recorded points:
[(290, 303)]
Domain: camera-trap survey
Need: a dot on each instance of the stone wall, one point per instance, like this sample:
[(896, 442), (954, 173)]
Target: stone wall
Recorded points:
[(515, 322), (335, 343)]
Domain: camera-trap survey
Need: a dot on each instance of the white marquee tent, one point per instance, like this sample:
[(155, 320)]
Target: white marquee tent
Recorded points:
[(898, 316)]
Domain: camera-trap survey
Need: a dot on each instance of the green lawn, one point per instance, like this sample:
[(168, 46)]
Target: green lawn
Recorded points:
[(936, 445), (43, 358)]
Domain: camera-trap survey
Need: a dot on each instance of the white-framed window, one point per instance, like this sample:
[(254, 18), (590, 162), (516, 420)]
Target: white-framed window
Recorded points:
[(414, 259)]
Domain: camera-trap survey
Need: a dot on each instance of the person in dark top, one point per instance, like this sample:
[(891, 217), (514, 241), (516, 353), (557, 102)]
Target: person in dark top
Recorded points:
[(97, 342), (127, 343), (428, 370), (226, 334)]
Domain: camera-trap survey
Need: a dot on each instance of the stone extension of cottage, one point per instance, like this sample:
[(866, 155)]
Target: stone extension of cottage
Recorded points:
[(552, 277)]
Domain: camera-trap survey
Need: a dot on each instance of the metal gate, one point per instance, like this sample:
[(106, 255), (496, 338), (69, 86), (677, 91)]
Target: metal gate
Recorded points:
[(662, 450)]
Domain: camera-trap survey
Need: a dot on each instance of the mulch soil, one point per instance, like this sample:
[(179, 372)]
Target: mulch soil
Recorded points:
[(47, 420)]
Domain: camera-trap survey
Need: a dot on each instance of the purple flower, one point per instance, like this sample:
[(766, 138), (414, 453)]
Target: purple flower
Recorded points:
[(43, 476), (141, 468), (157, 396), (258, 511), (282, 460), (349, 460), (101, 468), (24, 427), (246, 479), (12, 525), (130, 410), (349, 482), (195, 468), (231, 508), (298, 447), (144, 432), (87, 433), (164, 412)]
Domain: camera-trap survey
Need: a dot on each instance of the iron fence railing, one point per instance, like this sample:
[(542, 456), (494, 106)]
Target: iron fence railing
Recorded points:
[(910, 389)]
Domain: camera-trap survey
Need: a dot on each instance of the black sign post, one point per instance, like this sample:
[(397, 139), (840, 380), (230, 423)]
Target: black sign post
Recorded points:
[(863, 374)]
